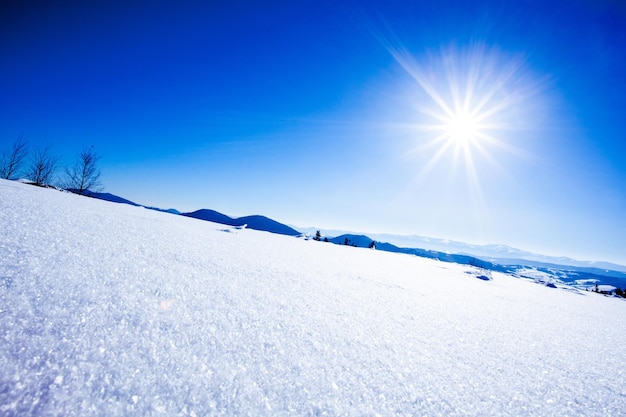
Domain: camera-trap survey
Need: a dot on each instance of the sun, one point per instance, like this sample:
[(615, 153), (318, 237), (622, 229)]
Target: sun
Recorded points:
[(468, 103), (463, 128), (467, 110)]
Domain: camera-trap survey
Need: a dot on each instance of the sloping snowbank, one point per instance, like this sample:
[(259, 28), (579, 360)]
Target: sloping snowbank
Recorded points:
[(108, 309)]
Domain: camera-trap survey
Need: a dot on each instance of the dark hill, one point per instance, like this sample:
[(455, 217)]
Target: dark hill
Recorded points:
[(363, 241), (257, 222), (117, 199), (212, 216), (253, 222), (360, 241), (105, 196)]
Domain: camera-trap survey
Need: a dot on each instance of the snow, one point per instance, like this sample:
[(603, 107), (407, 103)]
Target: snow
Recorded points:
[(533, 273), (109, 309), (606, 288)]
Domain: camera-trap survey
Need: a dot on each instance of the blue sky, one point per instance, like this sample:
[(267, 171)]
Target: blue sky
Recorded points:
[(322, 113)]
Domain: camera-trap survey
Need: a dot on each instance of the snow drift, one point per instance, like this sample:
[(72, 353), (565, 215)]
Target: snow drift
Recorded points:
[(109, 309)]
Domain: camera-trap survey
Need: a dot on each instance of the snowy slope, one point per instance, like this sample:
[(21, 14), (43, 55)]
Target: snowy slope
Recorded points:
[(109, 309)]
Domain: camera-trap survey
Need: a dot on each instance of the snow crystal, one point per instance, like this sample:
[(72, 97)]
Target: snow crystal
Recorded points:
[(108, 309)]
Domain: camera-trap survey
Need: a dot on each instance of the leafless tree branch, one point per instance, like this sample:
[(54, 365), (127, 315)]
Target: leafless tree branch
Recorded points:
[(84, 175), (11, 162), (42, 167)]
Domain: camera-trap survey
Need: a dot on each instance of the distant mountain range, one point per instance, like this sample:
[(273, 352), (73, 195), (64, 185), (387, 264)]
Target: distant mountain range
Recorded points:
[(500, 258), (500, 254), (252, 222), (362, 241), (581, 277)]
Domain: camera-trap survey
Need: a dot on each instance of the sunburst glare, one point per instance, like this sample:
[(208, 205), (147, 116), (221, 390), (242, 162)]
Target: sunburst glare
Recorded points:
[(469, 104)]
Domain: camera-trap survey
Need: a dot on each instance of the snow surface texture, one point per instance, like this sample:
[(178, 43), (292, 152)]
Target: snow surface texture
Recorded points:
[(109, 309)]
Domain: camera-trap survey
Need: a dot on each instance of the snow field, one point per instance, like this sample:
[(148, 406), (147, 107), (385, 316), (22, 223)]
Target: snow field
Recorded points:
[(108, 309)]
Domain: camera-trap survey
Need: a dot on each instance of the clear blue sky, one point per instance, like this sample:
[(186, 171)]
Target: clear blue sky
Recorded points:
[(316, 113)]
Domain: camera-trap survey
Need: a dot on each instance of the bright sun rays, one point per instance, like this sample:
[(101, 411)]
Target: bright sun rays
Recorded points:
[(470, 105), (466, 107)]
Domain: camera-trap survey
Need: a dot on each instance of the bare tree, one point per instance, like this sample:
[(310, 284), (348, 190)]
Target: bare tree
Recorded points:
[(84, 175), (42, 167), (11, 162)]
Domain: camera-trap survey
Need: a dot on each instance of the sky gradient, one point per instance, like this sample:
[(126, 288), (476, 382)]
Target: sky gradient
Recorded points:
[(321, 113)]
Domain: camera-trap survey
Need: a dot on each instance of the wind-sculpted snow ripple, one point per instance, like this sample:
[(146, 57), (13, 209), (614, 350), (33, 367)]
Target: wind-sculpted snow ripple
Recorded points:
[(111, 310)]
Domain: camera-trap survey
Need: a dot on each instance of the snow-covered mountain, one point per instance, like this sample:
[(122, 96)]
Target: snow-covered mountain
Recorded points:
[(111, 309), (580, 277), (501, 254), (255, 222), (452, 251), (496, 253)]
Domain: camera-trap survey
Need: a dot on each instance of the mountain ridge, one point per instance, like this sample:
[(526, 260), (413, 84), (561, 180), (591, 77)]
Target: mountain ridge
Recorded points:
[(256, 222), (135, 312), (580, 277), (497, 253), (489, 254)]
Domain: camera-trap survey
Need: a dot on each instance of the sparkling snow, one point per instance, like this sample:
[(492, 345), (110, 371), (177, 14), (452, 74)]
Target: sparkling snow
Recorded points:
[(109, 309)]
